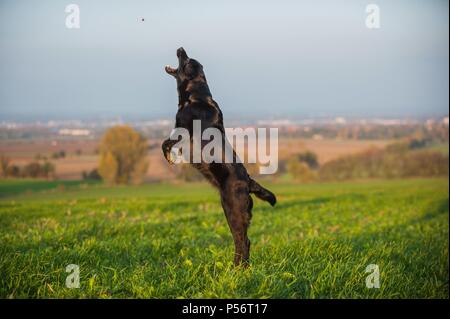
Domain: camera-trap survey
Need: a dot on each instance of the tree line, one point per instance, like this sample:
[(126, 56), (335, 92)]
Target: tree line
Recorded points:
[(410, 158), (34, 169), (123, 159)]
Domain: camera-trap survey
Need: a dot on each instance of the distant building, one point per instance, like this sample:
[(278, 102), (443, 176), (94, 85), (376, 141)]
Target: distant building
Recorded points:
[(317, 137), (74, 132), (274, 123), (340, 120)]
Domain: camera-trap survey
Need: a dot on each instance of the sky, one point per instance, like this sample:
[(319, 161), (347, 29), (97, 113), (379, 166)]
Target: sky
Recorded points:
[(262, 59)]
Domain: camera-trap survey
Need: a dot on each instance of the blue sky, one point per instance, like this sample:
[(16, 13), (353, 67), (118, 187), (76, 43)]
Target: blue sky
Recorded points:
[(264, 59)]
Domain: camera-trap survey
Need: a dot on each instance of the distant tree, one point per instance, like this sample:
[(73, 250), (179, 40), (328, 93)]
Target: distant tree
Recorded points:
[(301, 171), (123, 155), (4, 164), (309, 158), (139, 171), (47, 169), (93, 175), (417, 143), (398, 147), (59, 154), (303, 166), (108, 168), (32, 170), (282, 166), (13, 171)]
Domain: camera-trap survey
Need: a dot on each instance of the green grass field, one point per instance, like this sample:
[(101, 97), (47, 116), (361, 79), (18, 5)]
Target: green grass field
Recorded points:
[(172, 241)]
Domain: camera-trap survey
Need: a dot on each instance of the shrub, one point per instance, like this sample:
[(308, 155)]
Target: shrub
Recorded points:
[(303, 166), (300, 171)]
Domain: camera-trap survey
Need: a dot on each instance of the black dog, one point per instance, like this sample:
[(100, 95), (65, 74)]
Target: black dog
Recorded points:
[(231, 179)]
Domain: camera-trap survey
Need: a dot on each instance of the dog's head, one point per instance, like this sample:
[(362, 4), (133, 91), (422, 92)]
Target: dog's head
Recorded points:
[(191, 80), (188, 69)]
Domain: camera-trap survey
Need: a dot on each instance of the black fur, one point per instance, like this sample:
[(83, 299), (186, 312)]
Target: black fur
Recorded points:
[(195, 102)]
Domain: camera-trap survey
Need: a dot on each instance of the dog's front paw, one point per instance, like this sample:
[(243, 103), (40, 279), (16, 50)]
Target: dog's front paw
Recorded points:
[(166, 151), (169, 158), (171, 155)]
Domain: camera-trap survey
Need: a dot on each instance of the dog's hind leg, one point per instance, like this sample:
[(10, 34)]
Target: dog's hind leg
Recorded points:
[(237, 205)]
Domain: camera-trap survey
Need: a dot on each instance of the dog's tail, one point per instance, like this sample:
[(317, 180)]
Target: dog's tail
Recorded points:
[(262, 193)]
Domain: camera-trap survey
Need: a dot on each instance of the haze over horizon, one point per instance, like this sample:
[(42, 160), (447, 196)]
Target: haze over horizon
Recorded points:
[(262, 59)]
